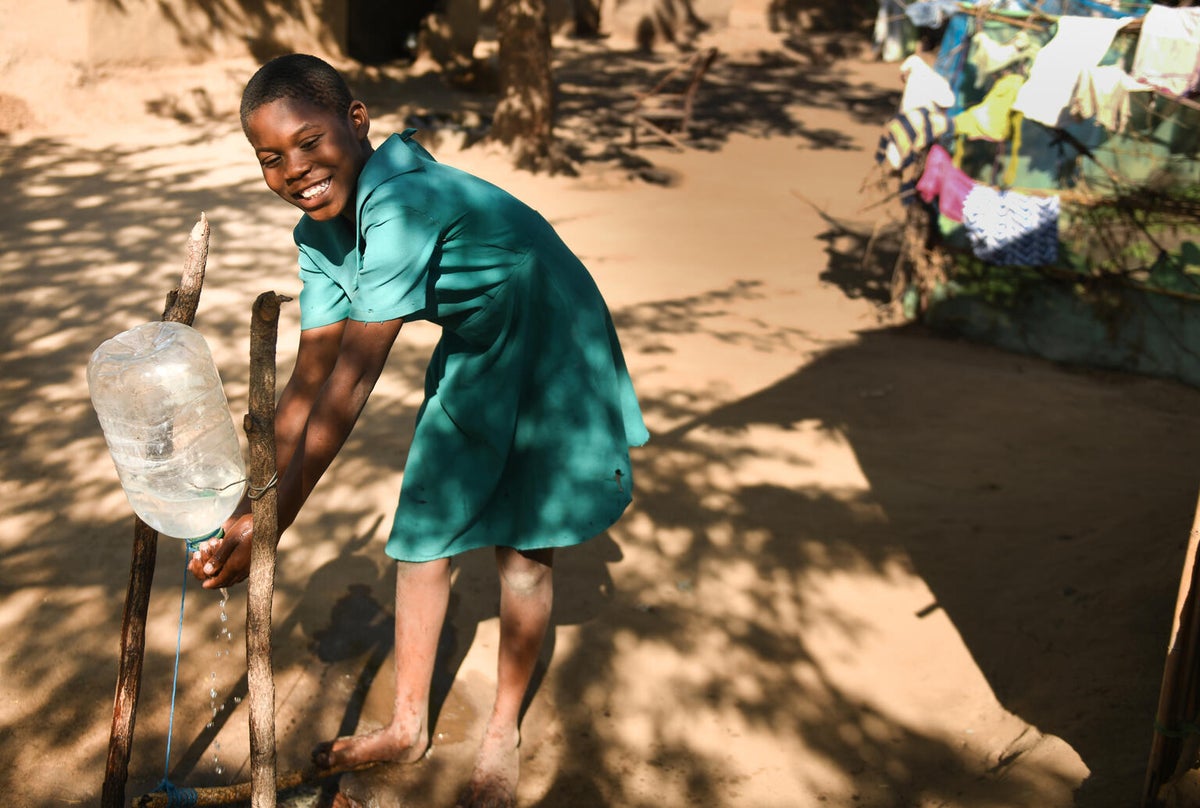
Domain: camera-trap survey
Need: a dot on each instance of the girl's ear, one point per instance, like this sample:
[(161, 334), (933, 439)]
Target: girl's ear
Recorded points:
[(360, 121)]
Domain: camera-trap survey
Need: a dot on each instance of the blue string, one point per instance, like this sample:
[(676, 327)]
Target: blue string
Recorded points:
[(177, 796)]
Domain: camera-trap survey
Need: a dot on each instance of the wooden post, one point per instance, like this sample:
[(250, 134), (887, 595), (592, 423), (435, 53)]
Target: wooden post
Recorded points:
[(181, 306), (260, 431), (1171, 756)]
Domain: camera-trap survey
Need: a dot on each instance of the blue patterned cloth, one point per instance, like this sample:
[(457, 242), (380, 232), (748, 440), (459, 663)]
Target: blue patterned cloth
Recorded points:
[(1008, 228)]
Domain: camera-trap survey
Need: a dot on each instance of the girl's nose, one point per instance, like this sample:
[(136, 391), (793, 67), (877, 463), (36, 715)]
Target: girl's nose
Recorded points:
[(297, 166)]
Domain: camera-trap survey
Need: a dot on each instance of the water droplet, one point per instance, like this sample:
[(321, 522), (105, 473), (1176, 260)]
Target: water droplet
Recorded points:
[(209, 725), (237, 699), (220, 770), (224, 617), (212, 693)]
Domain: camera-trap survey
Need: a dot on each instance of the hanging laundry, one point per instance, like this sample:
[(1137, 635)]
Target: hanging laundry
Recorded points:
[(1168, 49), (931, 13), (1008, 228), (990, 57), (991, 118), (923, 87), (1078, 43), (1103, 94), (943, 181), (909, 133), (888, 36)]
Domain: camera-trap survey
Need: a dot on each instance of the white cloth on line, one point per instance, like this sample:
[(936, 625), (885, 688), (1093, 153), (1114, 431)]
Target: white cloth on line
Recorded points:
[(1103, 94), (1078, 43), (923, 86), (1168, 49), (989, 56)]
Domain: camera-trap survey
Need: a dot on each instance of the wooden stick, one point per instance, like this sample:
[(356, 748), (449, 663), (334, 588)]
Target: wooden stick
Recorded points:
[(260, 430), (1170, 757), (241, 792), (183, 301), (181, 306)]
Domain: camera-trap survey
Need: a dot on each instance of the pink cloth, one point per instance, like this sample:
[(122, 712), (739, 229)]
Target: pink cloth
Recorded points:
[(943, 181)]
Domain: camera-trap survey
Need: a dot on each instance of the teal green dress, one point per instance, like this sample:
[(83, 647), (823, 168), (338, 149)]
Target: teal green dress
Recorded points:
[(523, 437)]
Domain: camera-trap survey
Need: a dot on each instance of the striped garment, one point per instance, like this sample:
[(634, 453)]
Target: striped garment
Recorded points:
[(909, 133)]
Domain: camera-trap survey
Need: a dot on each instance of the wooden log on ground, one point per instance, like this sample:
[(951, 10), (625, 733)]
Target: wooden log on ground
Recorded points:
[(181, 306), (241, 792)]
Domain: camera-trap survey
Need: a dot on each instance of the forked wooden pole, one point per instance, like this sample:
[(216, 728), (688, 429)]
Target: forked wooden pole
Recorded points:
[(260, 432), (180, 307)]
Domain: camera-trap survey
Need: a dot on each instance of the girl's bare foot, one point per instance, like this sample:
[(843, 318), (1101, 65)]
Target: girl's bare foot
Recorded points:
[(494, 782), (392, 744)]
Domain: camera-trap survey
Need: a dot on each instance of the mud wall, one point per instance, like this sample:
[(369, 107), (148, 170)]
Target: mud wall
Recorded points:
[(92, 34)]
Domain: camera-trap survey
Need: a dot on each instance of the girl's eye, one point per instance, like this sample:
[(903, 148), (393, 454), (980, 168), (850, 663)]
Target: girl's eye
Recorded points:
[(269, 162), (310, 143)]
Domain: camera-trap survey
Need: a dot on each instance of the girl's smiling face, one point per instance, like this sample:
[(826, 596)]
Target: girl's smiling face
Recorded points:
[(309, 156)]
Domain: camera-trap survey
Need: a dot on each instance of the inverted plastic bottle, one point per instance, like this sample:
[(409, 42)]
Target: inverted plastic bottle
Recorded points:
[(166, 420)]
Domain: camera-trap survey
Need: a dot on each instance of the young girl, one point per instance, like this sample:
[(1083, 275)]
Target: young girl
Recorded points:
[(522, 441)]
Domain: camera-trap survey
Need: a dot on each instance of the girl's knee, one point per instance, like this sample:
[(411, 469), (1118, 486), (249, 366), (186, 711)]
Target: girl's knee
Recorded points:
[(524, 572)]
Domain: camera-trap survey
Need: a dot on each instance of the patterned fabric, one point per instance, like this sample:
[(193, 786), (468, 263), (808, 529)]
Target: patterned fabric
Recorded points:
[(1007, 228), (910, 133), (941, 180)]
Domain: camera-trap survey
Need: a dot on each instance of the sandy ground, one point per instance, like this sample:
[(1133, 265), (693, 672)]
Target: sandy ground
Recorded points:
[(865, 566)]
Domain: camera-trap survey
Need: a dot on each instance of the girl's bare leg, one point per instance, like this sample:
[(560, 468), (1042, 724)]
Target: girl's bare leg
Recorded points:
[(526, 595), (422, 597)]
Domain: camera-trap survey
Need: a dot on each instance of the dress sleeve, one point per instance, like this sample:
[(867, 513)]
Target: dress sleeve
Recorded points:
[(322, 301), (400, 244)]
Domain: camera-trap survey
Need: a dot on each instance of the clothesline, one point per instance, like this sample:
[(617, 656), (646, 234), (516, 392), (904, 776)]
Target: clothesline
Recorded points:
[(1020, 19)]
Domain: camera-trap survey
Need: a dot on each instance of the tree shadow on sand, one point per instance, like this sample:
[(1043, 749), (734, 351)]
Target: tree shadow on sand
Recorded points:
[(1019, 518), (1066, 492)]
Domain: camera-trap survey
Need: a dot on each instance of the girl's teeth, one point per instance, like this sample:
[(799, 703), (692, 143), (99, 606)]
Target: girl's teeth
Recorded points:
[(313, 191)]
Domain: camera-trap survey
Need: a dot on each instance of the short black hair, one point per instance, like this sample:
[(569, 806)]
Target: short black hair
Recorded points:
[(296, 76)]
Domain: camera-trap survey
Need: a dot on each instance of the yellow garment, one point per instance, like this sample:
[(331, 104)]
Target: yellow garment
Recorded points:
[(991, 118)]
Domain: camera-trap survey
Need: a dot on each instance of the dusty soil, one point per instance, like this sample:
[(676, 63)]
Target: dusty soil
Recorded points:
[(866, 566)]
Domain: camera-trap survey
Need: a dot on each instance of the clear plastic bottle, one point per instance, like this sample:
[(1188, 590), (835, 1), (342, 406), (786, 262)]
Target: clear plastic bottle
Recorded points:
[(165, 418)]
